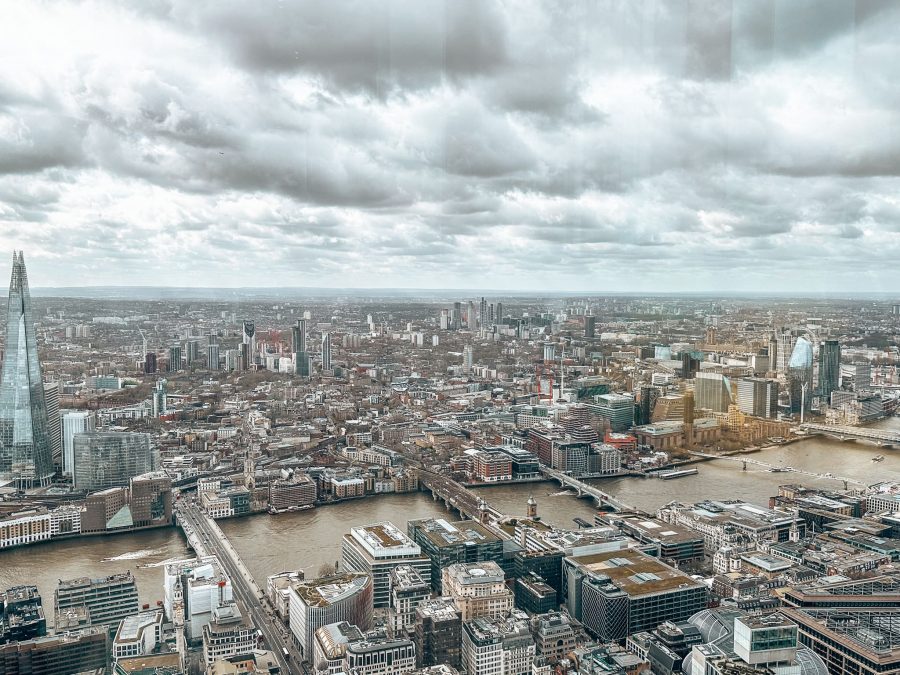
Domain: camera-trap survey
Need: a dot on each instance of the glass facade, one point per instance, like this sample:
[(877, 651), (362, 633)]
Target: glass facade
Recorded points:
[(799, 375), (26, 455)]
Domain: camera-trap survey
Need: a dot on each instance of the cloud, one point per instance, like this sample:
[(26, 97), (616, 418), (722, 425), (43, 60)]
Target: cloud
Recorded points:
[(580, 145)]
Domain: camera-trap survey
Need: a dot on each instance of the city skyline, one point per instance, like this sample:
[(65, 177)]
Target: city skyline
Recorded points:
[(463, 145)]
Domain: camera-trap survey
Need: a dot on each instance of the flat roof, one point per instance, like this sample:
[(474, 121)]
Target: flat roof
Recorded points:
[(636, 573), (325, 591), (384, 539)]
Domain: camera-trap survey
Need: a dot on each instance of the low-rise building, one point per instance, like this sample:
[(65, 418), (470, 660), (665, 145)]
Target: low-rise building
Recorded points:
[(138, 634)]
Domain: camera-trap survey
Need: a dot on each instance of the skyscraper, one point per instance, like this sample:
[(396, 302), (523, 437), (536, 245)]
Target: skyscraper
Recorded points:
[(799, 375), (74, 422), (590, 324), (212, 352), (51, 398), (482, 314), (26, 455), (301, 358), (829, 367), (758, 396), (105, 459), (174, 358), (248, 334), (326, 351)]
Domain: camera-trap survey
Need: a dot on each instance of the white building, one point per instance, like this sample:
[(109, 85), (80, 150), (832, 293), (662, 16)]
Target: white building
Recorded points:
[(74, 422), (228, 633), (318, 602), (379, 548), (138, 634), (498, 646), (477, 589), (25, 527), (195, 588)]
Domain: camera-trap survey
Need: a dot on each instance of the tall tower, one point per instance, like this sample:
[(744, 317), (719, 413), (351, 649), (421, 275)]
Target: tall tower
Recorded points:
[(688, 419), (301, 358), (25, 443), (326, 351)]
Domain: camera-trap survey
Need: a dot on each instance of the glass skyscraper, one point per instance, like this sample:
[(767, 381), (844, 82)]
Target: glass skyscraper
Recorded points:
[(829, 367), (26, 455), (799, 375)]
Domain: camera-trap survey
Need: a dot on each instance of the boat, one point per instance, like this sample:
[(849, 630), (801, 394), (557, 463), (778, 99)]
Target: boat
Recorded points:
[(778, 469), (879, 458), (677, 473)]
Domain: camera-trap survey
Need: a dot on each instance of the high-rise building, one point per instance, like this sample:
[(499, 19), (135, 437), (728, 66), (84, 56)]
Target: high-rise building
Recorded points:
[(470, 315), (829, 367), (455, 320), (149, 363), (192, 590), (105, 459), (447, 543), (301, 357), (26, 451), (175, 358), (758, 396), (498, 318), (477, 590), (192, 349), (482, 313), (212, 352), (318, 602), (248, 337), (73, 422), (468, 358), (799, 375), (590, 327), (500, 646), (785, 348), (326, 351), (51, 396), (445, 319), (159, 397), (377, 550), (712, 391)]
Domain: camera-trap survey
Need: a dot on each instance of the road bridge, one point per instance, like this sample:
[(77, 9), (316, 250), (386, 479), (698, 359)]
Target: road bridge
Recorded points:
[(464, 500), (845, 433), (586, 490), (210, 540)]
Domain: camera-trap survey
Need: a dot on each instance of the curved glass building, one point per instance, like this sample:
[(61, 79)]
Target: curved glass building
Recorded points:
[(800, 375)]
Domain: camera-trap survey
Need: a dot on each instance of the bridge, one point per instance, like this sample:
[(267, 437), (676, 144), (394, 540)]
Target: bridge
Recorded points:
[(464, 500), (206, 538), (586, 490), (743, 459), (845, 433)]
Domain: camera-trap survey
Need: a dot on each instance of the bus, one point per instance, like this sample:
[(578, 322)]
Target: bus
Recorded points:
[(259, 635), (285, 652)]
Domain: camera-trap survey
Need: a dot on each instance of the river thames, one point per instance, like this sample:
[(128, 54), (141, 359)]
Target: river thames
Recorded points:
[(308, 539)]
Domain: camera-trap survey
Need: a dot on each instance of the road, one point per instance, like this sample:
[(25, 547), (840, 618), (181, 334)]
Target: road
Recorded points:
[(251, 600)]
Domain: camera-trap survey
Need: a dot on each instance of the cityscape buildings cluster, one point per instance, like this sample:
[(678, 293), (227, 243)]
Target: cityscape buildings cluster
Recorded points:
[(119, 415)]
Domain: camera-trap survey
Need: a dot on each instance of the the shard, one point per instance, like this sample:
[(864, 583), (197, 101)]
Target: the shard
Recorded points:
[(25, 445)]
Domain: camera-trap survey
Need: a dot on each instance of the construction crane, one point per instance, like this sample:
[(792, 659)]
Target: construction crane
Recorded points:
[(144, 342)]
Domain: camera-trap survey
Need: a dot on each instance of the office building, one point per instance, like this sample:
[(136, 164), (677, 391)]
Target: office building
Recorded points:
[(408, 591), (758, 396), (138, 634), (712, 391), (21, 614), (330, 644), (674, 544), (227, 634), (616, 409), (192, 590), (829, 367), (502, 646), (590, 327), (26, 446), (81, 651), (553, 635), (318, 602), (326, 351), (150, 499), (618, 593), (107, 599), (379, 655), (861, 641), (799, 376), (534, 595), (376, 550), (73, 422), (438, 635), (105, 459), (447, 543), (477, 589)]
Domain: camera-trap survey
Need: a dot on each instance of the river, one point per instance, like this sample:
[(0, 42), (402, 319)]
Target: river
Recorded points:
[(308, 539)]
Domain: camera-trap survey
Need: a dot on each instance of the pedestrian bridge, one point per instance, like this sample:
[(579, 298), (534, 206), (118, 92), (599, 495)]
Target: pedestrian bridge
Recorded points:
[(846, 433)]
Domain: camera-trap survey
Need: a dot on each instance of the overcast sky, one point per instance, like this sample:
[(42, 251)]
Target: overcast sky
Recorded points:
[(689, 145)]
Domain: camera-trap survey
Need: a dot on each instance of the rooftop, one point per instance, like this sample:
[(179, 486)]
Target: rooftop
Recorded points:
[(325, 591), (636, 573)]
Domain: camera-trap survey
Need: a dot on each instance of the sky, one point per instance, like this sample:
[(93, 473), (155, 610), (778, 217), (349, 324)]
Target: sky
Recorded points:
[(579, 145)]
